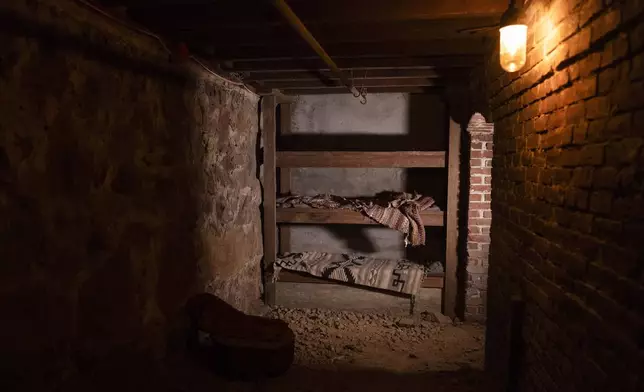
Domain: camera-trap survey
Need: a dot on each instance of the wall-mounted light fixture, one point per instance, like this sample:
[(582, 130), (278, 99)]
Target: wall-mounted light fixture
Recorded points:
[(514, 37)]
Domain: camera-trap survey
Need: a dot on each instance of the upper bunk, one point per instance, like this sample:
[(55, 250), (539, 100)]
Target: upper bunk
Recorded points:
[(307, 215), (354, 159)]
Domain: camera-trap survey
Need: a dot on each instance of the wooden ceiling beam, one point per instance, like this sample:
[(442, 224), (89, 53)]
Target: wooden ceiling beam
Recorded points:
[(358, 73), (250, 12), (373, 90), (378, 49), (148, 3), (278, 32), (385, 10), (358, 64), (388, 82)]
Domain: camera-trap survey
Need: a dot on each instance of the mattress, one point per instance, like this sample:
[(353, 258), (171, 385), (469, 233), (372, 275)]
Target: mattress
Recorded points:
[(397, 275), (397, 210)]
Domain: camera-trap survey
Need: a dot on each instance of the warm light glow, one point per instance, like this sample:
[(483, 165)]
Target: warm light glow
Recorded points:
[(512, 52)]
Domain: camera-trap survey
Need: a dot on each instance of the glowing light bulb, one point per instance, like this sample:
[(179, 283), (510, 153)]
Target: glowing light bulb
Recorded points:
[(512, 51)]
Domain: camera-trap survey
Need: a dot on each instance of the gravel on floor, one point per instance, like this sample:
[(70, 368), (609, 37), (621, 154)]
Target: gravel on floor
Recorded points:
[(331, 338), (343, 351)]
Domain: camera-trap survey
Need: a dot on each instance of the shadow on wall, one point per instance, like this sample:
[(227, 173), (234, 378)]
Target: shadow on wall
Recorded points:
[(354, 237), (183, 376), (109, 201), (426, 130), (463, 221), (428, 127)]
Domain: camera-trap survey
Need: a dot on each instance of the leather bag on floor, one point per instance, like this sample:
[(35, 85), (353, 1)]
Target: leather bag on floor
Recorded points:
[(238, 346)]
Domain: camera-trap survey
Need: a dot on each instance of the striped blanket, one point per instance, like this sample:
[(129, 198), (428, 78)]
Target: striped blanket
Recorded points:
[(401, 276), (397, 210)]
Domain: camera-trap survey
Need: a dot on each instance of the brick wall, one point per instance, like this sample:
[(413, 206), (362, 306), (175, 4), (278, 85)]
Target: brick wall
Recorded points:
[(479, 215), (568, 209)]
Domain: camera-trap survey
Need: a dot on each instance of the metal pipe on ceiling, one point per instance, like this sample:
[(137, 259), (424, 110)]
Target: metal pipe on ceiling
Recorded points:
[(301, 29)]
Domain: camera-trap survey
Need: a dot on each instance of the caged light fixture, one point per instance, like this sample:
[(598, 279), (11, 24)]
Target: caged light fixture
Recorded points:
[(513, 40)]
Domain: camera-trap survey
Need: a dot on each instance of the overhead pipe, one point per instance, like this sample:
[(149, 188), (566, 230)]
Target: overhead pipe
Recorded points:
[(299, 27)]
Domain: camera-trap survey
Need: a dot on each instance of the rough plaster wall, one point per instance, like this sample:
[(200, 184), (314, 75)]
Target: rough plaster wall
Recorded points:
[(126, 185), (342, 114)]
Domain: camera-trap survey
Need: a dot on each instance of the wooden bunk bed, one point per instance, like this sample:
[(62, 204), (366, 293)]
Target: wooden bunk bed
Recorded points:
[(285, 160)]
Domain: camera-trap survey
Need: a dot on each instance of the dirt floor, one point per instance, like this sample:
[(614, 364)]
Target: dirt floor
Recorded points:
[(333, 339), (351, 351)]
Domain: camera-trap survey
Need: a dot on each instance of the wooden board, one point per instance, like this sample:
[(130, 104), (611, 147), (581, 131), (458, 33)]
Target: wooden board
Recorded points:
[(347, 63), (371, 82), (373, 90), (213, 15), (360, 159), (434, 281), (285, 177), (269, 76), (353, 298), (451, 221), (270, 193), (324, 216)]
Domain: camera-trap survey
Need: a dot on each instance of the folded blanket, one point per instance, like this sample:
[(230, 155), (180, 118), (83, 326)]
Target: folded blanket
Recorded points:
[(401, 276), (397, 210), (403, 214)]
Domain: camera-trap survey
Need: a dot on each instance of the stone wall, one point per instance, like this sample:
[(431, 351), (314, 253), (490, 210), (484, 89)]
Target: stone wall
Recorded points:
[(567, 200), (479, 215), (126, 184)]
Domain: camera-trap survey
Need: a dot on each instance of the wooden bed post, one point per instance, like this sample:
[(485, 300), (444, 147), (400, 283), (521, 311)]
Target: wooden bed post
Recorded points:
[(451, 221), (285, 176), (269, 178)]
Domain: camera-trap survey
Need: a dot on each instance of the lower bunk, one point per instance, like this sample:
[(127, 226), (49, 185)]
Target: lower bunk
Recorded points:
[(393, 275)]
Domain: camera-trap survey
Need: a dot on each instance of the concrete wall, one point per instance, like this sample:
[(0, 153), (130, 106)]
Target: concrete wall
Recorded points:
[(386, 122), (567, 204), (126, 185), (342, 114)]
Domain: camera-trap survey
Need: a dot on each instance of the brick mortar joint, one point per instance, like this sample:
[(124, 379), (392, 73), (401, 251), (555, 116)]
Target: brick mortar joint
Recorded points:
[(479, 132), (596, 47)]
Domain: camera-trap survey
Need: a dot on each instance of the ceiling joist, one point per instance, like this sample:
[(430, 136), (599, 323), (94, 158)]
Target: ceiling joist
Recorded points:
[(249, 12), (381, 73), (389, 82), (374, 90), (278, 32), (388, 49), (386, 45), (361, 63)]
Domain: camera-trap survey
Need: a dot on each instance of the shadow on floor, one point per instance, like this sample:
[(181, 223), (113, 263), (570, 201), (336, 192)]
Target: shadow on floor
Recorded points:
[(304, 379), (182, 374)]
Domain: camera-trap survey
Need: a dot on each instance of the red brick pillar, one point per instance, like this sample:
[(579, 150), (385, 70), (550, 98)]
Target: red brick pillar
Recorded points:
[(479, 215)]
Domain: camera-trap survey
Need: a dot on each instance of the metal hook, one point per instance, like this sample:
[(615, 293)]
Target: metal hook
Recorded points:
[(363, 89)]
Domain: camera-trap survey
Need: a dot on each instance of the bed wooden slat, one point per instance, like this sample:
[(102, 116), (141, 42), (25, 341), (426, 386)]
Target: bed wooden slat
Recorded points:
[(324, 216), (433, 281), (361, 159)]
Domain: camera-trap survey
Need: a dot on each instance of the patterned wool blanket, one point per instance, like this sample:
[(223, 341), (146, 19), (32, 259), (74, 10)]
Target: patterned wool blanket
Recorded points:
[(397, 210), (401, 276)]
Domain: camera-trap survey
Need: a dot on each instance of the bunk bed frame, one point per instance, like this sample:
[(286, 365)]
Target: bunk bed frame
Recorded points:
[(285, 160)]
